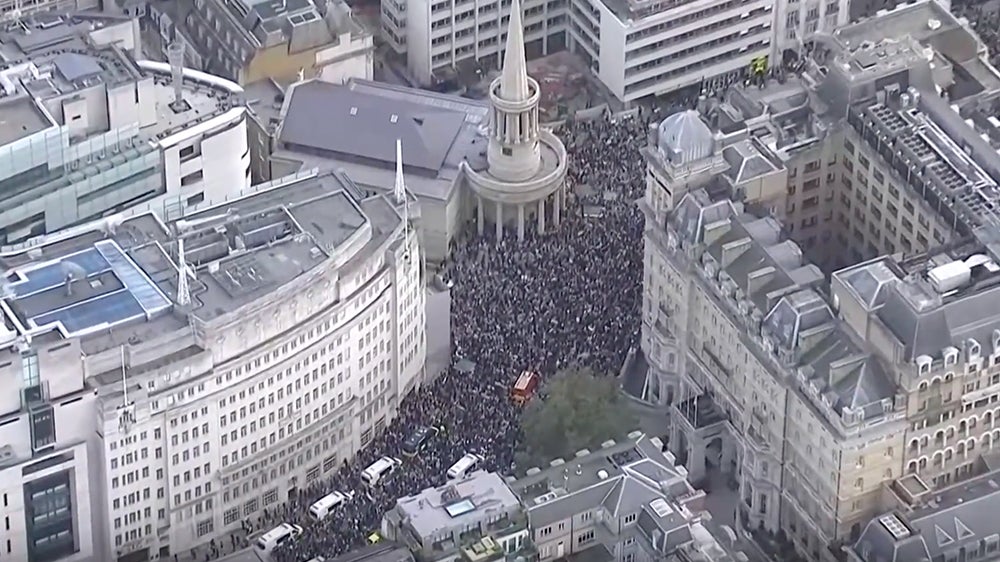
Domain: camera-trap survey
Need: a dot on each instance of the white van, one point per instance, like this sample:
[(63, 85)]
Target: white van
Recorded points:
[(464, 466), (325, 505), (282, 534), (379, 469)]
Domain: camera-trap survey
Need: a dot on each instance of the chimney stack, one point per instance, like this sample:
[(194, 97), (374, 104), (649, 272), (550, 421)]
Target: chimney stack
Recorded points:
[(175, 56)]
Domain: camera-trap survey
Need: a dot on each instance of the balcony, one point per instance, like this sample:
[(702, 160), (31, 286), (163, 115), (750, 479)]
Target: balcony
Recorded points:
[(700, 412)]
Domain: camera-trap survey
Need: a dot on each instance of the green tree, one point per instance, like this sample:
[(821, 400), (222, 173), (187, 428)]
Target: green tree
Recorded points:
[(578, 409)]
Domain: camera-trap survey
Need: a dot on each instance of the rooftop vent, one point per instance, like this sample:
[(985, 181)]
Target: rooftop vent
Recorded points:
[(895, 527), (950, 276)]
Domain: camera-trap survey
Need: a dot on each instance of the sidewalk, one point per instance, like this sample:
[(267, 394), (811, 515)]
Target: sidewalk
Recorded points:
[(244, 552)]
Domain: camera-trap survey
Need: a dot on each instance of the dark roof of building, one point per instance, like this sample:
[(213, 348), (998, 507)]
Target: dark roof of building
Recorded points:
[(338, 119)]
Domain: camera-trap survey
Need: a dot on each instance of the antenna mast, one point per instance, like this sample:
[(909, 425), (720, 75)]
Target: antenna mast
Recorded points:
[(183, 289), (126, 412)]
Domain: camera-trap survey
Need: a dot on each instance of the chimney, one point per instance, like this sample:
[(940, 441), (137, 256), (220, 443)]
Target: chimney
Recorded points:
[(733, 250), (759, 278), (175, 56), (716, 230)]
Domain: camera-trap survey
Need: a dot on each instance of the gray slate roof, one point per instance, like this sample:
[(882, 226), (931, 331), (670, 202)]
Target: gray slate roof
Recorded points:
[(746, 162), (924, 328), (957, 517), (771, 274), (337, 119)]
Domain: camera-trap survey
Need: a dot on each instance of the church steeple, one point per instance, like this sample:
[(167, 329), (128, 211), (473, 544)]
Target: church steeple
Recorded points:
[(514, 79)]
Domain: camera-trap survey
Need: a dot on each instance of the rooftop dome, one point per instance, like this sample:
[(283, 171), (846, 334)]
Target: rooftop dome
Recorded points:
[(685, 138)]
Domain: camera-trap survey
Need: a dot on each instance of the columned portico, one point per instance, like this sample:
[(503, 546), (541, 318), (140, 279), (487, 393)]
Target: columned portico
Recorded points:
[(525, 163)]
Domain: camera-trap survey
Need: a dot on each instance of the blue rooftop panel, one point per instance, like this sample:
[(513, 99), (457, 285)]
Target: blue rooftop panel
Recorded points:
[(53, 274), (99, 312)]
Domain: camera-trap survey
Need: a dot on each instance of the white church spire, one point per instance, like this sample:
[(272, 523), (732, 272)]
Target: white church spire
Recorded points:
[(514, 80)]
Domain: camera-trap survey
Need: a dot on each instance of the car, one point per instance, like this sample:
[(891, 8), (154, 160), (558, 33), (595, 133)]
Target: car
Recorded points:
[(418, 440)]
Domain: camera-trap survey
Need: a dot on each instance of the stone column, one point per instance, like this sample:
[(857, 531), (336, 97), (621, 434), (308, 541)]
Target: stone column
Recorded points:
[(541, 216), (557, 206), (499, 223), (520, 222), (479, 215)]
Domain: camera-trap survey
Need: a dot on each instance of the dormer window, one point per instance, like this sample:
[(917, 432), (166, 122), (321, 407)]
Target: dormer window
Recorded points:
[(950, 356), (923, 365), (973, 348)]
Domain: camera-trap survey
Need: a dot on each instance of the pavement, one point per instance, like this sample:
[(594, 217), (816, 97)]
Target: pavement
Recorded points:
[(243, 554), (721, 502)]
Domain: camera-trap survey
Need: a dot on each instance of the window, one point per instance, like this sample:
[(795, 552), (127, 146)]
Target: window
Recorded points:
[(506, 151), (205, 527), (630, 518), (192, 178), (29, 369)]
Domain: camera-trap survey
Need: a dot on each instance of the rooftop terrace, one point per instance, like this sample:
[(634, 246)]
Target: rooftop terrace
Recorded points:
[(115, 281), (20, 117), (52, 57)]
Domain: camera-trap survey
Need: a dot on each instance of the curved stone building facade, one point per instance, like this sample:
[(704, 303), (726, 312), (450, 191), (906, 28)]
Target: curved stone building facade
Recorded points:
[(175, 379)]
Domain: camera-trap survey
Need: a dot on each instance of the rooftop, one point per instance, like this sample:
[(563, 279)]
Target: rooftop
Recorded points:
[(632, 478), (114, 281), (622, 477), (21, 117), (46, 31), (253, 25), (264, 101), (478, 498), (636, 10), (52, 57), (957, 517), (352, 125), (761, 277)]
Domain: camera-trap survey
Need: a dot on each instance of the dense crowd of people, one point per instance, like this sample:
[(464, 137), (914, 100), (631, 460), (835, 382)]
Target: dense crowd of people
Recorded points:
[(570, 296)]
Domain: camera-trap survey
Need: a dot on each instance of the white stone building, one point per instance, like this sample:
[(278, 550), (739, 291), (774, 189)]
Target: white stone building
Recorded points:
[(438, 35), (636, 48), (90, 131), (197, 400)]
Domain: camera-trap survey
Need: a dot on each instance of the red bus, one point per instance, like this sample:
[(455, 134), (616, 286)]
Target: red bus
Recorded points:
[(525, 387)]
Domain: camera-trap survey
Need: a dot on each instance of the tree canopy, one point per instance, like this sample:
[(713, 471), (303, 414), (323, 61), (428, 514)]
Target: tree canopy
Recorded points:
[(577, 409)]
